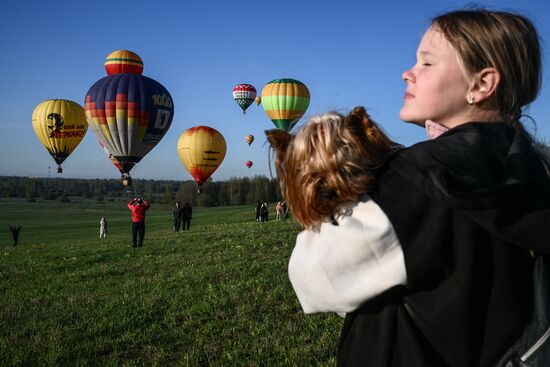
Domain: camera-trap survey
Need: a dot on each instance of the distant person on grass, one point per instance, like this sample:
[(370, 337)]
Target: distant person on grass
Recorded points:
[(103, 228), (178, 216), (279, 211), (284, 208), (187, 216), (264, 212), (15, 234), (138, 206), (258, 210)]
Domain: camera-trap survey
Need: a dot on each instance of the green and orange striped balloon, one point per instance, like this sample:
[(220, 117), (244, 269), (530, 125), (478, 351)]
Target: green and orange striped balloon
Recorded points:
[(285, 101)]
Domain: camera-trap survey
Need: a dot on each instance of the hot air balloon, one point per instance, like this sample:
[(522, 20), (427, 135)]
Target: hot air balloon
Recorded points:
[(123, 61), (111, 158), (249, 164), (201, 149), (244, 95), (129, 114), (285, 101), (60, 125), (249, 139), (258, 100)]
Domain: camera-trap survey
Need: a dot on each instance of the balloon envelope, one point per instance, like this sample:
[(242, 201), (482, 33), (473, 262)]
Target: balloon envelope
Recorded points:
[(129, 114), (244, 95), (60, 125), (201, 149), (249, 164), (123, 61), (249, 139), (111, 158), (285, 101)]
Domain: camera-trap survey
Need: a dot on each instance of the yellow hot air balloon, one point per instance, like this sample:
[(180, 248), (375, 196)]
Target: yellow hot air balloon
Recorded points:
[(60, 125), (249, 139), (201, 149)]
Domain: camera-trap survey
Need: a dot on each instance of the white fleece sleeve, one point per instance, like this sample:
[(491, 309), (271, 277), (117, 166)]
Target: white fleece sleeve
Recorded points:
[(339, 267)]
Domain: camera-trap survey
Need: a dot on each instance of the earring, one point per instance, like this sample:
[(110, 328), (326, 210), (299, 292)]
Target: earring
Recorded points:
[(471, 100)]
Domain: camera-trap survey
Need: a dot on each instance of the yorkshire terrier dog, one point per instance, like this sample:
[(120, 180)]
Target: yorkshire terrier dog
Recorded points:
[(331, 161)]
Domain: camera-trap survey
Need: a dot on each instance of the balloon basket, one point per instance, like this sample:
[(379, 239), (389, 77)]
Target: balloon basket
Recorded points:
[(126, 180), (59, 169)]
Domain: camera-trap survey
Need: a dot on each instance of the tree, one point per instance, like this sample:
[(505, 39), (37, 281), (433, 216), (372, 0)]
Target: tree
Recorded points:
[(30, 189), (168, 197), (187, 193)]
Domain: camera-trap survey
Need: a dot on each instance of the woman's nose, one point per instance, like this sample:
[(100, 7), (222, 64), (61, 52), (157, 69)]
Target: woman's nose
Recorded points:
[(408, 76)]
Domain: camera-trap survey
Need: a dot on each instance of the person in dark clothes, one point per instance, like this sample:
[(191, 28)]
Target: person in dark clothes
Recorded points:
[(258, 210), (467, 207), (178, 216), (284, 206), (15, 234), (264, 212), (138, 206), (187, 216)]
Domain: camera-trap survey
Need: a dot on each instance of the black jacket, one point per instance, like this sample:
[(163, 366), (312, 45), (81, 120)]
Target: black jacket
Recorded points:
[(178, 213), (187, 212), (466, 208)]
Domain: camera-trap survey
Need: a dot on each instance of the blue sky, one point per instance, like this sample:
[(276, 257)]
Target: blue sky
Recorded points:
[(348, 53)]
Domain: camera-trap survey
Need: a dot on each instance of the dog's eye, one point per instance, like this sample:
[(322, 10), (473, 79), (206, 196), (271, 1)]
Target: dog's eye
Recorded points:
[(327, 194)]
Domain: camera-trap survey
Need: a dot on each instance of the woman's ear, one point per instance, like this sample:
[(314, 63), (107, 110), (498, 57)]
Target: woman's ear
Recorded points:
[(484, 85), (279, 140)]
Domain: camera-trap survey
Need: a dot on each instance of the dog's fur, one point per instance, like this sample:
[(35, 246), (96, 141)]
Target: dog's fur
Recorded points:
[(332, 160)]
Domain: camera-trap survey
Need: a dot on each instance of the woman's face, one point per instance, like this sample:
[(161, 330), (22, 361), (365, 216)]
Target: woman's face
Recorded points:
[(436, 86)]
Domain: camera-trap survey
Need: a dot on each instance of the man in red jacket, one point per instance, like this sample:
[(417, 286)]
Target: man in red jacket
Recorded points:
[(138, 206)]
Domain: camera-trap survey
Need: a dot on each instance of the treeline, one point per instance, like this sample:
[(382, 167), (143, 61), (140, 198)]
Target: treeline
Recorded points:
[(236, 191)]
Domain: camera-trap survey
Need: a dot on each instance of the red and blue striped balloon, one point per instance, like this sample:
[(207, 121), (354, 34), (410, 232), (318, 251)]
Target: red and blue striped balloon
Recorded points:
[(129, 114)]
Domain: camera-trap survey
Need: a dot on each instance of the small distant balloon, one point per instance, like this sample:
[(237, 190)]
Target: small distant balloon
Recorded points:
[(258, 100), (244, 95), (60, 125), (249, 164), (201, 149), (122, 62), (249, 139)]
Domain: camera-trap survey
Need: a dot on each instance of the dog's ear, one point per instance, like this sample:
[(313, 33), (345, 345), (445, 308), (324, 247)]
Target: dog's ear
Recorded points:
[(358, 119), (279, 139)]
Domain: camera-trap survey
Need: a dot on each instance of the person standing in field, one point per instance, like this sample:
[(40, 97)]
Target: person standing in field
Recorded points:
[(264, 212), (103, 228), (15, 234), (187, 214), (178, 216), (258, 210), (467, 207), (138, 206), (278, 211), (284, 208)]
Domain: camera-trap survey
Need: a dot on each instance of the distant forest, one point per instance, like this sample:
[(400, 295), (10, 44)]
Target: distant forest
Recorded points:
[(236, 191)]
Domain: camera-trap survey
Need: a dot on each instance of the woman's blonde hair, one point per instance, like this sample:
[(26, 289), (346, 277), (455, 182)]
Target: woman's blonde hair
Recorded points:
[(503, 40)]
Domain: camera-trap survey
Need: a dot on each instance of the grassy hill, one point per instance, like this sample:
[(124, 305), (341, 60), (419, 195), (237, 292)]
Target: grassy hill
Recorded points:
[(218, 295)]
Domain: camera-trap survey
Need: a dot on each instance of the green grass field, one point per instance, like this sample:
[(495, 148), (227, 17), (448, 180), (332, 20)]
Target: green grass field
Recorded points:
[(218, 295)]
